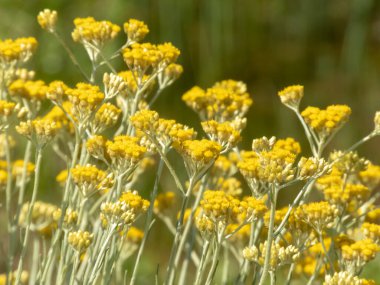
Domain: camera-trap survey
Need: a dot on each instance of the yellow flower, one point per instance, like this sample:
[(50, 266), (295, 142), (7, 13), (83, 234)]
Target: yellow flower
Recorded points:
[(47, 19), (105, 117), (320, 215), (291, 95), (16, 51), (80, 240), (357, 254), (88, 178), (198, 154), (124, 152), (370, 176), (136, 30), (93, 34), (6, 108), (325, 122), (225, 101), (223, 133), (30, 90), (134, 235), (372, 231), (40, 131)]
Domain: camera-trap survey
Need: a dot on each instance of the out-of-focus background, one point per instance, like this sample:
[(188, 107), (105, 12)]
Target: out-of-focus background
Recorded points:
[(330, 47)]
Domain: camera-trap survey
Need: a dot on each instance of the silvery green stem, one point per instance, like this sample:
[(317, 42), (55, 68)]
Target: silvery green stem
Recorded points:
[(269, 240), (148, 221), (29, 214), (200, 269)]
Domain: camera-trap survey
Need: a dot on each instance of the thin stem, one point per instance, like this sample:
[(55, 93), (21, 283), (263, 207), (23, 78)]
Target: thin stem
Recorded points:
[(270, 235), (29, 214), (290, 273), (200, 268), (215, 258), (148, 221), (71, 55), (75, 265), (171, 268), (312, 140)]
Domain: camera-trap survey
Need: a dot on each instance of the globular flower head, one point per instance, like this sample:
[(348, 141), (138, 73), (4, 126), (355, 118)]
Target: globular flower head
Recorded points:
[(348, 163), (170, 74), (136, 30), (326, 122), (47, 19), (124, 211), (320, 215), (39, 131), (309, 167), (370, 177), (113, 85), (346, 278), (223, 133), (134, 235), (263, 144), (106, 117), (88, 178), (198, 154), (125, 153), (80, 240), (279, 255), (96, 146), (225, 101), (16, 51), (356, 255), (29, 90), (93, 34), (6, 108), (291, 96), (56, 91)]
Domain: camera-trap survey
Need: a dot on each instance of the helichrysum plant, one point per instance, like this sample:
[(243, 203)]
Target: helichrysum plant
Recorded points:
[(106, 132)]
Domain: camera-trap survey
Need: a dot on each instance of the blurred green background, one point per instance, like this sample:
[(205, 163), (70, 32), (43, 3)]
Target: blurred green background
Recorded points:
[(330, 47)]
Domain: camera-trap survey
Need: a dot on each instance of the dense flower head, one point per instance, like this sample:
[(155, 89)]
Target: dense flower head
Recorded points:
[(164, 201), (263, 144), (320, 215), (231, 186), (40, 131), (351, 196), (346, 278), (373, 216), (30, 90), (124, 211), (223, 166), (198, 154), (96, 146), (85, 98), (225, 101), (357, 254), (221, 207), (274, 166), (59, 116), (253, 208), (88, 178), (124, 152), (47, 19), (325, 122), (223, 133), (136, 30), (349, 163), (88, 30), (279, 255), (291, 95), (288, 144), (371, 231), (131, 82), (141, 57), (6, 108), (80, 240), (18, 50), (310, 167), (105, 117), (56, 91)]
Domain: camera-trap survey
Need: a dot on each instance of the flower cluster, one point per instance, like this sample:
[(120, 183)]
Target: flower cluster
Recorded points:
[(325, 122), (80, 240), (225, 101)]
